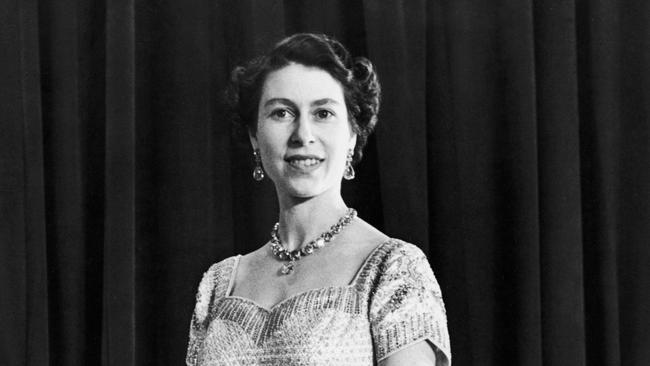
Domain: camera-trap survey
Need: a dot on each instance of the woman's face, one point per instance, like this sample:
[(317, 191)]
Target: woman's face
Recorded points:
[(303, 132)]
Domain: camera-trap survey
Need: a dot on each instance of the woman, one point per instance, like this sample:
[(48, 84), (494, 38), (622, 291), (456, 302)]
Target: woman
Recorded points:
[(328, 288)]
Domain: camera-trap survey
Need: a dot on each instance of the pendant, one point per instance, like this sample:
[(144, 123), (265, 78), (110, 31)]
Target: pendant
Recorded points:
[(258, 173), (287, 268)]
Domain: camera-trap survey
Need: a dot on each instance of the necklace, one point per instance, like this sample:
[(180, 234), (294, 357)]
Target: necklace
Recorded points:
[(295, 255)]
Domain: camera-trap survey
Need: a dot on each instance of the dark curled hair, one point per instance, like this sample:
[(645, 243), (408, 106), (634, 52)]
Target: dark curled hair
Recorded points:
[(357, 76)]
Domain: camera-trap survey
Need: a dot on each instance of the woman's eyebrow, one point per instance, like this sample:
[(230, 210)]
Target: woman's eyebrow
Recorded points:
[(324, 101), (279, 100)]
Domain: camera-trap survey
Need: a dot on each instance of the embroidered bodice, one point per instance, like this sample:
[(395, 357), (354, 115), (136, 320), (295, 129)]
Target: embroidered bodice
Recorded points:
[(393, 302)]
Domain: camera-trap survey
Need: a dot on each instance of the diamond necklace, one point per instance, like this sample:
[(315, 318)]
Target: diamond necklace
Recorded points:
[(295, 255)]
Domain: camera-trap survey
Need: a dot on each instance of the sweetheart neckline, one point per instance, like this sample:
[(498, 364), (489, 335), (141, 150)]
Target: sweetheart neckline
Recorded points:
[(290, 298), (270, 310)]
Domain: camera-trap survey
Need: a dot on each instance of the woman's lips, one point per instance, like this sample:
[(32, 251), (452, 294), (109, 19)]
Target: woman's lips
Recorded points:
[(304, 163)]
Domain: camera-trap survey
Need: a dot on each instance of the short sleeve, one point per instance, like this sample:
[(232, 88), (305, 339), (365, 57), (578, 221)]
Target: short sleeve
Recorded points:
[(407, 305), (214, 284)]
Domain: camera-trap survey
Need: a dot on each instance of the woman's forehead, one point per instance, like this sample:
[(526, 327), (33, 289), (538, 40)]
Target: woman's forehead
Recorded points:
[(302, 84)]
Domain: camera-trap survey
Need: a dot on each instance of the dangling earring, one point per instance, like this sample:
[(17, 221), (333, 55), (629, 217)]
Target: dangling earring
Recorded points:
[(258, 173), (348, 174)]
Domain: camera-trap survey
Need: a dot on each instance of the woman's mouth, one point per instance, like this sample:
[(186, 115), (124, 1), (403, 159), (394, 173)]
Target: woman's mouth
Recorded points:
[(304, 163)]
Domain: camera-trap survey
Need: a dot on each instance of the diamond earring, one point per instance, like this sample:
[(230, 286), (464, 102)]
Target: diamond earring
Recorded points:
[(348, 174), (258, 173)]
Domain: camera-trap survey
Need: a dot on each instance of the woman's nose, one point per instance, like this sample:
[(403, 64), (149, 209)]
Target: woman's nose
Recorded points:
[(303, 132)]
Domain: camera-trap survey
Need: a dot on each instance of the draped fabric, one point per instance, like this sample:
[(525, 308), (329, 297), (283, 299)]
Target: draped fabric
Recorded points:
[(513, 147)]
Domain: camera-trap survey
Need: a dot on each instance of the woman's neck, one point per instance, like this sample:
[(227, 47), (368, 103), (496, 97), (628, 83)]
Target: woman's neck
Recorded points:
[(302, 220)]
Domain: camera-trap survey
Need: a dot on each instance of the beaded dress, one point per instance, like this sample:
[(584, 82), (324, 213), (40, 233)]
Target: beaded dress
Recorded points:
[(394, 301)]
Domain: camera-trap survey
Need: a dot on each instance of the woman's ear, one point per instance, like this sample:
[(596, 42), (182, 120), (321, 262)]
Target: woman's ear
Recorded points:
[(353, 141), (253, 139)]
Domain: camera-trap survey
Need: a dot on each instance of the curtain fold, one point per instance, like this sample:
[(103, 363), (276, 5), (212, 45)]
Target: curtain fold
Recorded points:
[(559, 168), (600, 114), (23, 275), (122, 189), (36, 277), (396, 40), (513, 147)]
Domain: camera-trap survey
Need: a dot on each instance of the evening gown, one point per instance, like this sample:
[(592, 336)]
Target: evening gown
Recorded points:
[(394, 301)]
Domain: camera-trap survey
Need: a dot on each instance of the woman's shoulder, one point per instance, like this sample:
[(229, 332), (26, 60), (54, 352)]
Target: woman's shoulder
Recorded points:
[(395, 263), (217, 271), (396, 250), (215, 281), (365, 233), (399, 247)]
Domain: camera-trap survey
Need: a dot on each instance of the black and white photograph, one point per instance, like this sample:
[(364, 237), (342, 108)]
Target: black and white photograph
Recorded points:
[(325, 182)]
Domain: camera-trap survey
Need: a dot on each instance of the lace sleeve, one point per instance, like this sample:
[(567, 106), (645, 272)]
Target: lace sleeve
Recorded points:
[(407, 306)]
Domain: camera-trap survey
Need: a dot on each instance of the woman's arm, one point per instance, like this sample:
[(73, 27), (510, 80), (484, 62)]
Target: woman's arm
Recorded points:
[(418, 354)]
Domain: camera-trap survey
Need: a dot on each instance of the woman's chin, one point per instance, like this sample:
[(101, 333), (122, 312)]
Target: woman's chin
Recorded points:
[(303, 193), (304, 186), (303, 189)]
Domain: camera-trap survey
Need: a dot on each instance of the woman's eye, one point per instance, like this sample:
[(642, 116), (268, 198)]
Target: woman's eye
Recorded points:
[(281, 114), (324, 114)]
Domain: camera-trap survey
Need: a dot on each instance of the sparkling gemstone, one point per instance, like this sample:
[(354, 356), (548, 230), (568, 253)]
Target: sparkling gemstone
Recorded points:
[(319, 243), (287, 268), (258, 173), (349, 173)]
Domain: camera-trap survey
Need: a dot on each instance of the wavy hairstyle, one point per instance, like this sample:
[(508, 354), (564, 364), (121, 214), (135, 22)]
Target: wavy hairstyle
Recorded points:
[(357, 77)]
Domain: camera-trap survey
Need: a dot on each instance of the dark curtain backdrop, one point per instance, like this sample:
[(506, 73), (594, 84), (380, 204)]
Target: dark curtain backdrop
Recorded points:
[(513, 147)]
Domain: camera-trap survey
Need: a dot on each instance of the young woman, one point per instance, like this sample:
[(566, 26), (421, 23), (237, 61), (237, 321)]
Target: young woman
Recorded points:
[(328, 288)]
